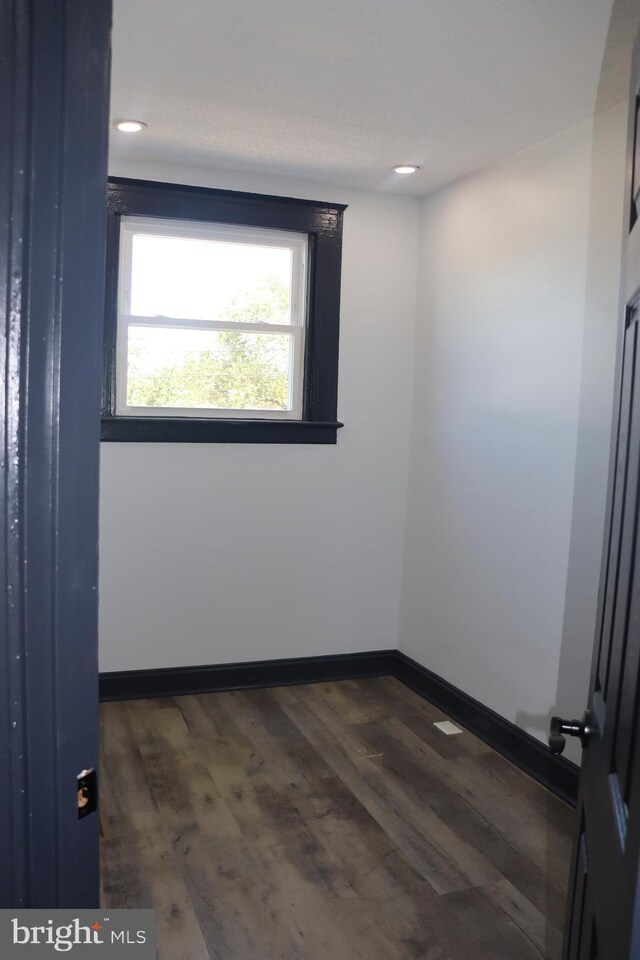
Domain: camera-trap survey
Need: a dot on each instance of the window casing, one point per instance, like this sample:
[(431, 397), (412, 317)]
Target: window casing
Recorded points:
[(307, 232)]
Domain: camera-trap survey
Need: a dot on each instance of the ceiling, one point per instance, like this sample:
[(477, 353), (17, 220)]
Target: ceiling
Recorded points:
[(342, 90)]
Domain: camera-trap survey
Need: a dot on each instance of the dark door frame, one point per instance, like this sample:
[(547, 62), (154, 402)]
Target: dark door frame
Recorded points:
[(54, 103)]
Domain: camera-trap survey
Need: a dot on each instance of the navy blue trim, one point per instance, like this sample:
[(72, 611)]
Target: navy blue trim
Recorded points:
[(176, 681), (191, 430)]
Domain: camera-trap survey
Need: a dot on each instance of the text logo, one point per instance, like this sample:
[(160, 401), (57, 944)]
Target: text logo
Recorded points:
[(83, 933)]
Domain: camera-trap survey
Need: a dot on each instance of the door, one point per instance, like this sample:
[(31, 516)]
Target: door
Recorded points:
[(603, 919), (54, 83)]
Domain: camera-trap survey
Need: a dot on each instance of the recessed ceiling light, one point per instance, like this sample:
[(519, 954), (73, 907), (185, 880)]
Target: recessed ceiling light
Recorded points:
[(130, 126), (406, 168)]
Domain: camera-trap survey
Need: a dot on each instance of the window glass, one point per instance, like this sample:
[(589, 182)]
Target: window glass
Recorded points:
[(197, 279), (208, 369)]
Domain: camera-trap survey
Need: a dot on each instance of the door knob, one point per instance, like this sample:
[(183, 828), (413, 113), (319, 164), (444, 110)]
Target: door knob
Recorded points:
[(560, 729)]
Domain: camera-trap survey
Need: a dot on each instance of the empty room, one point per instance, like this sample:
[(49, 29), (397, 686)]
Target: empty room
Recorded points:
[(321, 463)]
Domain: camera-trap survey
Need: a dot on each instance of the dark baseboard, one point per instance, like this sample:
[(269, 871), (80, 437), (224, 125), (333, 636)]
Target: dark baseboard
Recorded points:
[(177, 681), (557, 774)]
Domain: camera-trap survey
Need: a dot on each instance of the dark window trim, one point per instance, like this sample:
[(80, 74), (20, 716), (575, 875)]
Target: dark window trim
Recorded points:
[(322, 222)]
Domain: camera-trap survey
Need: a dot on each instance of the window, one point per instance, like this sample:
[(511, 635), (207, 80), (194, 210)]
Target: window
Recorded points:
[(222, 316), (211, 320)]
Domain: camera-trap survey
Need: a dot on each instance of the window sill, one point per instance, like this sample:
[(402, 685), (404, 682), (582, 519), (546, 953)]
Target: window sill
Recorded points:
[(186, 430)]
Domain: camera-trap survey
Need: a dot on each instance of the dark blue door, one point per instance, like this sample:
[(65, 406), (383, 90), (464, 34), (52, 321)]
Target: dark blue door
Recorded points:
[(603, 921), (54, 83)]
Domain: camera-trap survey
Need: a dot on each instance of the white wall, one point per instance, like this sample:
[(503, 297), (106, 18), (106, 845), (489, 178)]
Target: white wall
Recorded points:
[(213, 553), (497, 406)]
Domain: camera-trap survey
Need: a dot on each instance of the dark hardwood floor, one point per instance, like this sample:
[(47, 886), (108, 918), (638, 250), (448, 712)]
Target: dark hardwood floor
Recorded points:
[(330, 820)]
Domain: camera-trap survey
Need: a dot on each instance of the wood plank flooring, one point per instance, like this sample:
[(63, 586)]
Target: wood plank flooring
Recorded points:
[(329, 820)]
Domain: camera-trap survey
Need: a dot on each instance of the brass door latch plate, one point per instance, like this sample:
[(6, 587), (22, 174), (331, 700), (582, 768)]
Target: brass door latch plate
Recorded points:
[(87, 793)]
